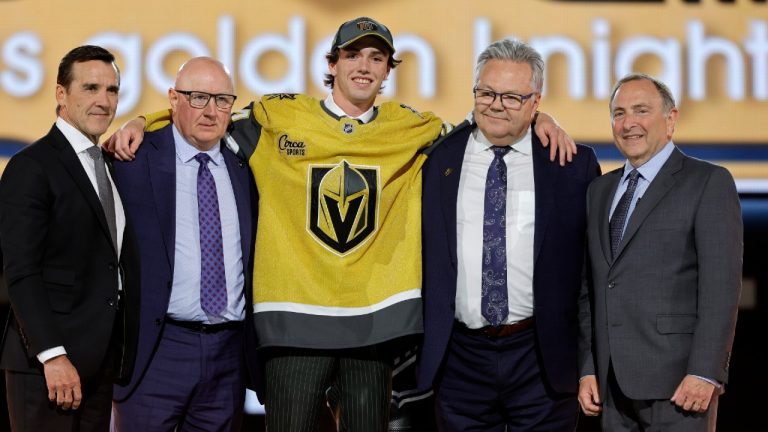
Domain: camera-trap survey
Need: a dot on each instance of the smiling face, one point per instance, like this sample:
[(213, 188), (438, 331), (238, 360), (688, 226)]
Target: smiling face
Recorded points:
[(359, 74), (90, 100), (201, 127), (500, 125), (641, 127)]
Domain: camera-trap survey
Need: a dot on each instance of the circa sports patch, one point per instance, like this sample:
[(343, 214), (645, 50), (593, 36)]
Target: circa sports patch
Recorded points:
[(343, 205)]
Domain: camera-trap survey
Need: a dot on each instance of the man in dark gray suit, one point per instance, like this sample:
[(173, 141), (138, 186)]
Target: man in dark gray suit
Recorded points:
[(665, 247)]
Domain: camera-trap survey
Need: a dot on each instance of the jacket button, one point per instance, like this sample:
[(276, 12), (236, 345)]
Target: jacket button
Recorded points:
[(111, 267), (111, 302), (611, 285), (158, 321)]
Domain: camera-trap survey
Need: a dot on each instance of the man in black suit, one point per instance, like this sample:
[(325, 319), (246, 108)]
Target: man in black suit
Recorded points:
[(70, 262)]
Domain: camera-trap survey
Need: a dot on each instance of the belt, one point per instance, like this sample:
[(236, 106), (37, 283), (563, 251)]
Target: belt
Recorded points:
[(496, 332), (200, 327)]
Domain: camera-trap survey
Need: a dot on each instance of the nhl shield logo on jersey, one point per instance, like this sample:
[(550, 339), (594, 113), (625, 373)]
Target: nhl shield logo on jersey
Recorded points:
[(343, 205), (347, 128)]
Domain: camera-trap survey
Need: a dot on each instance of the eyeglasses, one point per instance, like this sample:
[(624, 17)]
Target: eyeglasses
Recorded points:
[(200, 99), (511, 101)]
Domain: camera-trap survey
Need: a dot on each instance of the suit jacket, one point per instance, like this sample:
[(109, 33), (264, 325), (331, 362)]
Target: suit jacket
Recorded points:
[(148, 187), (666, 305), (60, 264), (560, 222)]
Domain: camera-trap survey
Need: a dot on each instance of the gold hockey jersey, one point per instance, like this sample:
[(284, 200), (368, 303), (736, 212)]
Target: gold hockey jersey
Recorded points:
[(338, 244)]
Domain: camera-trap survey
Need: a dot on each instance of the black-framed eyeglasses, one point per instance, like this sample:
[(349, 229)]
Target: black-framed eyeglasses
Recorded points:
[(200, 99), (512, 101)]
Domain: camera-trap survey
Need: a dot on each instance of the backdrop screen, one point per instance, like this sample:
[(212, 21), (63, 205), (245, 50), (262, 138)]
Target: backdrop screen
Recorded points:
[(713, 54)]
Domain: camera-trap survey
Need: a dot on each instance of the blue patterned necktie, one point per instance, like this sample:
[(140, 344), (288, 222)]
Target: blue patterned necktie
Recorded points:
[(619, 218), (494, 284), (213, 287)]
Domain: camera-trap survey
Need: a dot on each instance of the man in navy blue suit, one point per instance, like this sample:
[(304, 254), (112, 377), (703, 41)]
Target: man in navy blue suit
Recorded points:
[(193, 206), (503, 252)]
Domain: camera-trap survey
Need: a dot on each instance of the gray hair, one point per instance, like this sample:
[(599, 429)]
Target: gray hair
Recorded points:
[(515, 51), (667, 100)]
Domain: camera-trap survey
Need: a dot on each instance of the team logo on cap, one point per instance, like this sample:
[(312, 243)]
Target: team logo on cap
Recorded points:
[(366, 26), (343, 205)]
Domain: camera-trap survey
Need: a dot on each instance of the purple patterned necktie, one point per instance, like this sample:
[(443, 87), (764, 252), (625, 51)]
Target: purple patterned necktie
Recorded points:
[(213, 287), (494, 282), (619, 218)]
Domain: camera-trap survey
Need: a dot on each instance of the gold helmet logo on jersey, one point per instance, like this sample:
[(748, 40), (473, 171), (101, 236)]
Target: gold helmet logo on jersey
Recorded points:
[(343, 205)]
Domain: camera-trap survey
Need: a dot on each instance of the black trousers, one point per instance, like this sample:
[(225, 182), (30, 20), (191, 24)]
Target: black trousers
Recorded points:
[(30, 410), (355, 383)]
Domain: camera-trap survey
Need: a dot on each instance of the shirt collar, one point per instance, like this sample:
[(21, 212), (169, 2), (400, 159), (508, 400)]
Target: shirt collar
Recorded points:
[(77, 139), (186, 151), (332, 107), (651, 168), (480, 143)]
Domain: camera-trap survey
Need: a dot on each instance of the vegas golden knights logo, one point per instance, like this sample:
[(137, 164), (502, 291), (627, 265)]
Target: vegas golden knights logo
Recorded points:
[(366, 26), (343, 205)]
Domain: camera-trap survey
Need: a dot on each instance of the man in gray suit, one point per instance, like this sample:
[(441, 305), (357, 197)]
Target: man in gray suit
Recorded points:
[(658, 309)]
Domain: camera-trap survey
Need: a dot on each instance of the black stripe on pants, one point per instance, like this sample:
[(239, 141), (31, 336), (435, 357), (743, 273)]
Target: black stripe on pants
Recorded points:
[(298, 382)]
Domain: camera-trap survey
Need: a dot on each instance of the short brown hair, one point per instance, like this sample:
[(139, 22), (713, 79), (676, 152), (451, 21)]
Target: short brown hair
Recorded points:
[(82, 54), (667, 99)]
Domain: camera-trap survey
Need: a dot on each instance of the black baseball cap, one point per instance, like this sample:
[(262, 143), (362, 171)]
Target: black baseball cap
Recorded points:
[(358, 28)]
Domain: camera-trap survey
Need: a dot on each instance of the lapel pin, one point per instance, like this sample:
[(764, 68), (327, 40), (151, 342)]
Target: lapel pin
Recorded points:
[(447, 172)]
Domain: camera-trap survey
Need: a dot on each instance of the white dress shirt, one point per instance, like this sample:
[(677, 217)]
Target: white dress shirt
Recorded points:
[(80, 144), (520, 211), (184, 304), (334, 108)]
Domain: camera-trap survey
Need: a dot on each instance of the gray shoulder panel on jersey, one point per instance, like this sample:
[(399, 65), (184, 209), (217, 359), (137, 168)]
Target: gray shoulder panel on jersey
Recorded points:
[(447, 131), (243, 133)]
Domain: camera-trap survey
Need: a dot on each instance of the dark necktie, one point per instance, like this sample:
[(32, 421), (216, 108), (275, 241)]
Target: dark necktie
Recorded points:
[(619, 217), (213, 286), (105, 192), (494, 281)]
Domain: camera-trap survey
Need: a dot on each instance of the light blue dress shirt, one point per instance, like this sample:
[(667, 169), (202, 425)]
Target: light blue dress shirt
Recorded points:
[(648, 172), (184, 304)]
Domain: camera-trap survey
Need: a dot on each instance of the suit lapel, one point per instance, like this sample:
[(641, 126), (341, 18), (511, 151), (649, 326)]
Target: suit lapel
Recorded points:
[(605, 199), (545, 176), (108, 163), (74, 167), (656, 190), (449, 166), (161, 160), (239, 178)]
